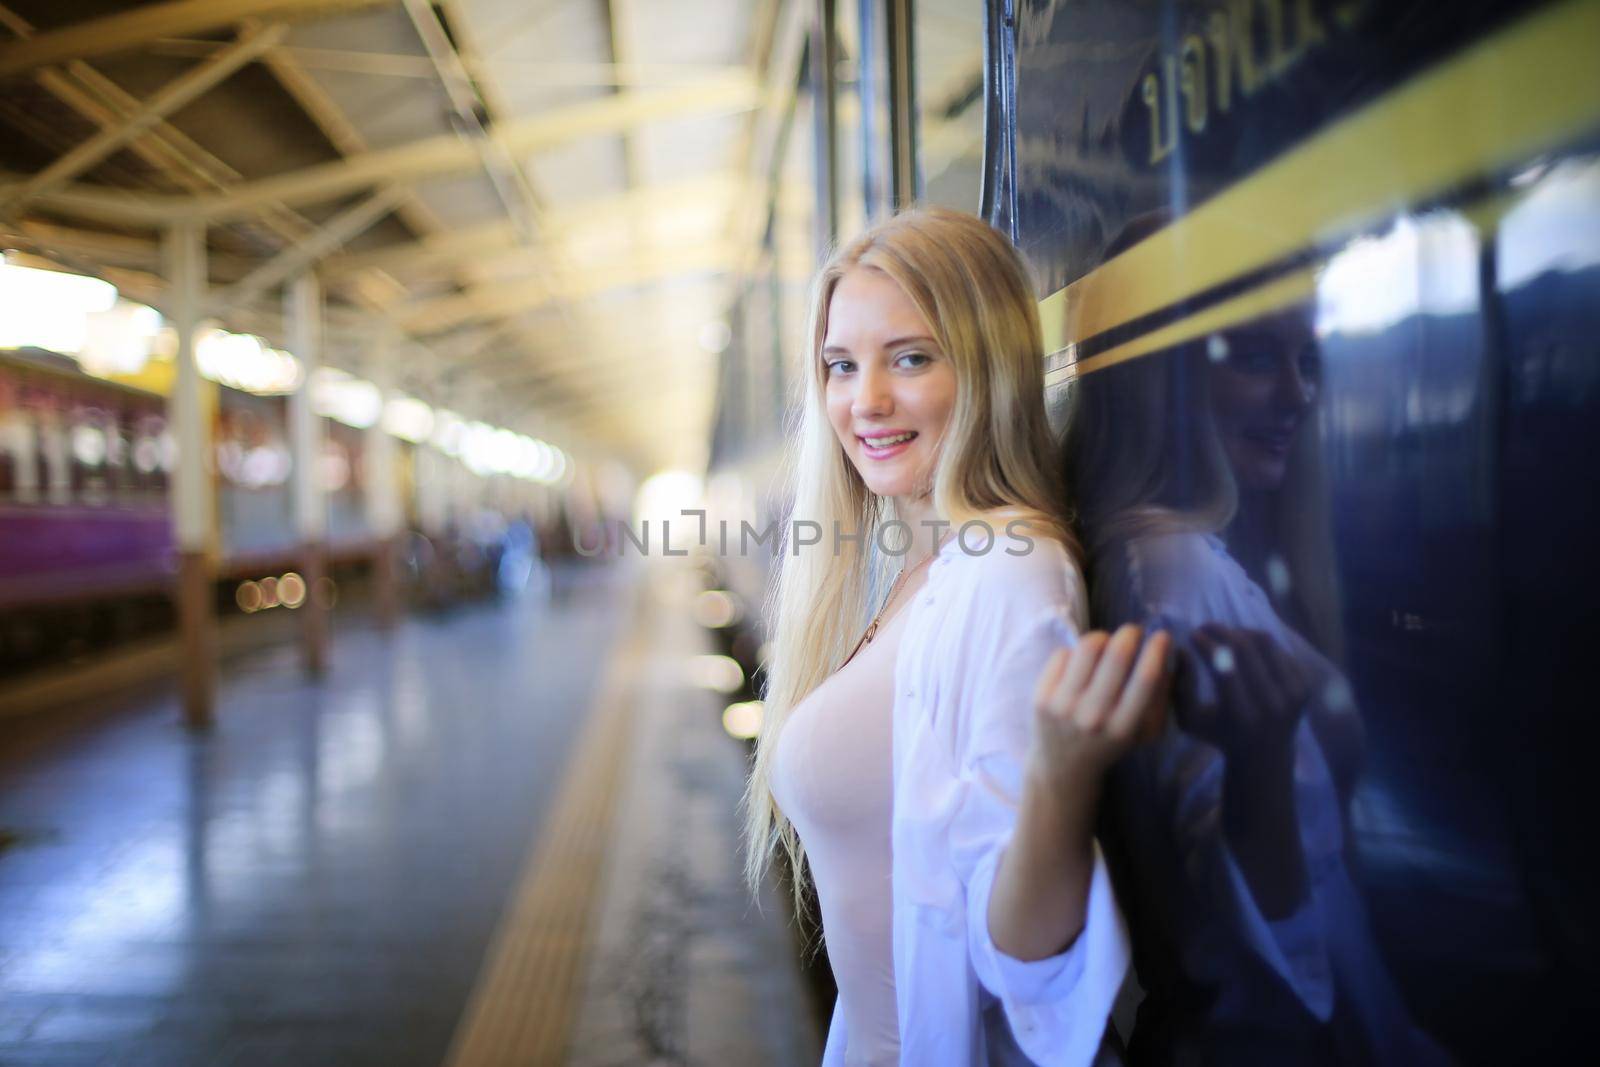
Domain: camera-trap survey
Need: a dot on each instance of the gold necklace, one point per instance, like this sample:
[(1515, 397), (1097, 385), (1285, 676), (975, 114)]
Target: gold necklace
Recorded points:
[(900, 579)]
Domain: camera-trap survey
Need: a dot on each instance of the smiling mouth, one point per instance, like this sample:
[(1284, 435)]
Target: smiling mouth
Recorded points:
[(1275, 441), (882, 446)]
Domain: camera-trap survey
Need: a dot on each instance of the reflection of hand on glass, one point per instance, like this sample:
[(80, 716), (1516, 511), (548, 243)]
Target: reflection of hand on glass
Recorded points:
[(1261, 696), (1261, 692)]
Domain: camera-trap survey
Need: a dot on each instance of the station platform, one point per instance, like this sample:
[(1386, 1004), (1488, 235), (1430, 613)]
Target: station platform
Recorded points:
[(506, 835)]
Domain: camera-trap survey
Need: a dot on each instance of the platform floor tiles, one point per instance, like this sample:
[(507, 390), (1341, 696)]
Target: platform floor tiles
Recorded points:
[(343, 871)]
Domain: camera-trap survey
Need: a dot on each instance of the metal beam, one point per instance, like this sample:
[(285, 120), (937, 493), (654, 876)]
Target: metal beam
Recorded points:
[(180, 92), (105, 248), (568, 223), (87, 202), (448, 154), (184, 249), (902, 103), (406, 164), (296, 258), (522, 74), (619, 56), (823, 61), (106, 104), (769, 129), (510, 184), (516, 298), (148, 23)]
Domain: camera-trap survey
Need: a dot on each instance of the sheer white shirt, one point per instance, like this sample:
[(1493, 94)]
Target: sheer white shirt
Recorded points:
[(976, 640)]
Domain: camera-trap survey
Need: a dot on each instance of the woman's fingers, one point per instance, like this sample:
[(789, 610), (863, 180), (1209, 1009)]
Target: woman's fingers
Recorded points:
[(1080, 668), (1235, 692), (1110, 675), (1289, 678), (1259, 684), (1144, 696), (1050, 678)]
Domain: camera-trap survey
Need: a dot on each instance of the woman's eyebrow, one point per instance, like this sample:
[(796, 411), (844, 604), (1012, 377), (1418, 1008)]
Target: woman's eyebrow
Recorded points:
[(892, 343)]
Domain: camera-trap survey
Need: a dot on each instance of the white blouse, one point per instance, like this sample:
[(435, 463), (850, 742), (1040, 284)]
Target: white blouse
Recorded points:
[(976, 639)]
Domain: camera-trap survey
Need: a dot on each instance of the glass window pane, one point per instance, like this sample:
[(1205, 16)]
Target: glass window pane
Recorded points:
[(947, 38)]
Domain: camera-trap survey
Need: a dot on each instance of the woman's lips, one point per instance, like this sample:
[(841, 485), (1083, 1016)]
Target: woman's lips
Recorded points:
[(886, 445), (1276, 442)]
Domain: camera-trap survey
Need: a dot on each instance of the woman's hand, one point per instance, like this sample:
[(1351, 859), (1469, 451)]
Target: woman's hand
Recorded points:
[(1262, 693), (1092, 704), (1096, 701)]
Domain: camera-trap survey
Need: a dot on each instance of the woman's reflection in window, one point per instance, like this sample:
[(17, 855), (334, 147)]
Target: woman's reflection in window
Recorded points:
[(1200, 494)]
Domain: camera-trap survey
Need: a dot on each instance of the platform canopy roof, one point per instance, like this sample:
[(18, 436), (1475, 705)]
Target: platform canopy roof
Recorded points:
[(553, 200)]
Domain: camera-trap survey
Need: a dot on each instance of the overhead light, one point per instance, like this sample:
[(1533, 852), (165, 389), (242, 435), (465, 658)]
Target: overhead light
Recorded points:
[(720, 673), (408, 419), (715, 335), (241, 361), (345, 398), (743, 720), (49, 309), (715, 609)]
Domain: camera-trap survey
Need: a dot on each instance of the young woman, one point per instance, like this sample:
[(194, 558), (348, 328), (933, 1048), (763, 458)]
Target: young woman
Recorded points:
[(933, 761)]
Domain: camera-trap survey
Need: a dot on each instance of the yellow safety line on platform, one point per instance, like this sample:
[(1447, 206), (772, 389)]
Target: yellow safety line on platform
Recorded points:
[(1524, 90), (522, 1009)]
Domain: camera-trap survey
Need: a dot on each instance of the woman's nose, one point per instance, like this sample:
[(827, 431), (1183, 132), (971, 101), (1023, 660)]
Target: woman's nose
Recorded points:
[(1295, 388), (873, 396)]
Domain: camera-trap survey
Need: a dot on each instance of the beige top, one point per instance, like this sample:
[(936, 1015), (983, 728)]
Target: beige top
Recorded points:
[(833, 776)]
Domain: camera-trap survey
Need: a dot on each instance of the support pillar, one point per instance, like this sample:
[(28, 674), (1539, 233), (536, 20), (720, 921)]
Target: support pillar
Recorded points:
[(385, 516), (184, 249), (303, 318)]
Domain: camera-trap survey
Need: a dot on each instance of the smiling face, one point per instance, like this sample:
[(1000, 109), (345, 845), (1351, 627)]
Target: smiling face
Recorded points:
[(889, 388), (1263, 380)]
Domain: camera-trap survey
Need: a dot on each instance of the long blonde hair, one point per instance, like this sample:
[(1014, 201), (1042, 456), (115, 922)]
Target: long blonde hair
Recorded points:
[(972, 288)]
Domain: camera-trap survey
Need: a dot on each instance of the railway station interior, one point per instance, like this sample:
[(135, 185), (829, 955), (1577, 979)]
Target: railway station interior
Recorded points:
[(396, 397)]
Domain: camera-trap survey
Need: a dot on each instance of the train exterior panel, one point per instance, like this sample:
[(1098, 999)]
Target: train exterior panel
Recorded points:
[(83, 504), (1319, 283), (87, 551)]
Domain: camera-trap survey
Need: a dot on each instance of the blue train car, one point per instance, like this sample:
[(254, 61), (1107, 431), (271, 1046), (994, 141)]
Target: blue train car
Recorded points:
[(1322, 284)]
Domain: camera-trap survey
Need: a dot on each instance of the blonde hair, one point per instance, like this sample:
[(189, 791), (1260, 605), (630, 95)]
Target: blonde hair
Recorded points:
[(972, 288)]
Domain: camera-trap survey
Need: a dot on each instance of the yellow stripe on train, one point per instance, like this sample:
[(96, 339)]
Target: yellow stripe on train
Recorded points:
[(1525, 90)]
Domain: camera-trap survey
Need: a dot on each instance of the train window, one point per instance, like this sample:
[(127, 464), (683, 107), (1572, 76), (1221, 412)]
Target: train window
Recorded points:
[(10, 420), (795, 236), (148, 473), (947, 44), (88, 452), (57, 459), (10, 453), (851, 118), (19, 443)]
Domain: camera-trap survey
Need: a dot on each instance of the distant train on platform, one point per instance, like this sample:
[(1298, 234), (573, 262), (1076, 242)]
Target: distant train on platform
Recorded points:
[(86, 537)]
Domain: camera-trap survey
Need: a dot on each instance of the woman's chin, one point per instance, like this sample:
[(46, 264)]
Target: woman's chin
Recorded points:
[(885, 482)]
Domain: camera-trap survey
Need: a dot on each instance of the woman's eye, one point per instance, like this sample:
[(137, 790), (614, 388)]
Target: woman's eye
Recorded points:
[(840, 366), (1254, 360), (913, 359), (1311, 367)]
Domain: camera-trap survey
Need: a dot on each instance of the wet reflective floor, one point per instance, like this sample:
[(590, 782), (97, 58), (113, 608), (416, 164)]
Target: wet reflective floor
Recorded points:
[(316, 881)]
